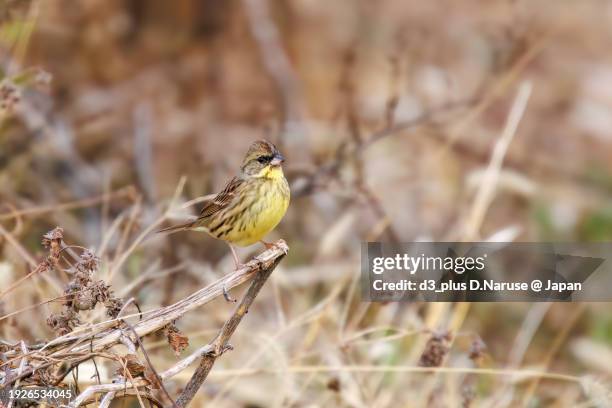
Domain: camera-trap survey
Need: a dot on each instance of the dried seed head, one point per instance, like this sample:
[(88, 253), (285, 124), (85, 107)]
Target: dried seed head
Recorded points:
[(56, 235), (63, 323), (88, 262), (334, 384), (477, 349), (130, 366), (436, 349), (82, 292), (10, 95), (113, 306), (84, 301), (177, 340)]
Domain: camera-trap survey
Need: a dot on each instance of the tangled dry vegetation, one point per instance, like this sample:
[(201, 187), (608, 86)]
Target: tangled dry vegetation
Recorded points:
[(401, 121), (49, 363)]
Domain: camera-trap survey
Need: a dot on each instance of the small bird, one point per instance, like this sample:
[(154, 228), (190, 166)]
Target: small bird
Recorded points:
[(251, 204)]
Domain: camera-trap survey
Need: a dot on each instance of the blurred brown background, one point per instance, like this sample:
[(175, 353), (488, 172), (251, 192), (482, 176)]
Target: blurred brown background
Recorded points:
[(388, 112)]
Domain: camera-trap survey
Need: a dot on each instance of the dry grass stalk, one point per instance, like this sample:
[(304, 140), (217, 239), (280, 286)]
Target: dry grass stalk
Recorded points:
[(221, 342), (39, 364)]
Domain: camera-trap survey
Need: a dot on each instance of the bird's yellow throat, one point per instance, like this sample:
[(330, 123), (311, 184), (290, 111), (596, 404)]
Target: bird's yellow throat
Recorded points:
[(271, 172)]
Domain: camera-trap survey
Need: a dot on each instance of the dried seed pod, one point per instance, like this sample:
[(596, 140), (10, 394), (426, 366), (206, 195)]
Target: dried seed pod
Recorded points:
[(177, 340), (436, 349)]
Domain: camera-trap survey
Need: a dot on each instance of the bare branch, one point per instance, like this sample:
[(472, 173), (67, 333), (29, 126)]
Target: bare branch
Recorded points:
[(83, 343), (106, 334), (276, 61), (221, 342), (208, 353)]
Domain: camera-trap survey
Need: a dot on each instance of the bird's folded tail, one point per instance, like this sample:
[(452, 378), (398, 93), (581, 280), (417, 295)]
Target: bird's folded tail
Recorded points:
[(176, 228)]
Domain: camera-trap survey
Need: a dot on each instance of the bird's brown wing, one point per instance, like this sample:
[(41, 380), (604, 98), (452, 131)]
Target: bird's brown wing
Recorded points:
[(222, 199)]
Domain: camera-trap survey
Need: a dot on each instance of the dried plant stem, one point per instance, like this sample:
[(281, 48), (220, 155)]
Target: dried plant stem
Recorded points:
[(107, 334), (275, 60), (553, 350), (516, 375), (263, 267), (24, 350), (487, 191), (37, 268), (146, 355), (72, 205), (221, 342), (83, 343), (112, 389)]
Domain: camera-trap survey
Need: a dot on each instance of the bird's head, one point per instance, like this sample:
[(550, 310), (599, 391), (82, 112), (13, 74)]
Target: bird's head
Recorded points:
[(263, 160)]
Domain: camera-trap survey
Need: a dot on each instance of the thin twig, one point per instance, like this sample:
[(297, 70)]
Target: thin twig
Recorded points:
[(107, 334), (221, 342), (276, 61), (38, 268), (108, 398), (516, 375), (342, 155), (83, 343), (22, 364), (146, 355), (486, 193), (143, 129), (72, 205)]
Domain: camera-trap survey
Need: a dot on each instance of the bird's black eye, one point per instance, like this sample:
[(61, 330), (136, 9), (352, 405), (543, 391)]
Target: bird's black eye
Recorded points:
[(263, 159)]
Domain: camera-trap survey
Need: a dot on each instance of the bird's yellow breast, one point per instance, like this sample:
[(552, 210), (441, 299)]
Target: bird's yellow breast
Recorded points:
[(264, 213)]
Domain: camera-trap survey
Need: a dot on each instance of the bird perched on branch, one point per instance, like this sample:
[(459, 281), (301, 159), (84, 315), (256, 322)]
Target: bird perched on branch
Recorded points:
[(250, 205)]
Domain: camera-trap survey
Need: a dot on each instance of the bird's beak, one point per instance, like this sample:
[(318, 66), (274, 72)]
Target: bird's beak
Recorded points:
[(277, 160)]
